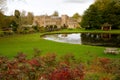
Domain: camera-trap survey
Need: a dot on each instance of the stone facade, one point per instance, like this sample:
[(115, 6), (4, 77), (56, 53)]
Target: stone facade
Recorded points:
[(72, 23), (64, 20)]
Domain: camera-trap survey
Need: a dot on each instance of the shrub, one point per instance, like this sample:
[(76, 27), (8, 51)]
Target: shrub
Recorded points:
[(48, 67), (1, 33)]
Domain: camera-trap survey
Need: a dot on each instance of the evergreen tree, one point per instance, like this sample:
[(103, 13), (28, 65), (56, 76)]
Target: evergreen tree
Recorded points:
[(102, 11)]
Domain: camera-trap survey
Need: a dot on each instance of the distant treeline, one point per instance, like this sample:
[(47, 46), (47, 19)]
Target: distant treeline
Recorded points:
[(16, 20)]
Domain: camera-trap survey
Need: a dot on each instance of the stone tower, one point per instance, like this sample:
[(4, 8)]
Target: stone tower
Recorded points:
[(64, 20)]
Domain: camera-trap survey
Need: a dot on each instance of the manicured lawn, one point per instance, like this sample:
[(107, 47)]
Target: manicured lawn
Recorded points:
[(11, 45)]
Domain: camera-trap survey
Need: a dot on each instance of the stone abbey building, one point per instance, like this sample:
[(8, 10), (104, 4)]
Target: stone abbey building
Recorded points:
[(64, 20)]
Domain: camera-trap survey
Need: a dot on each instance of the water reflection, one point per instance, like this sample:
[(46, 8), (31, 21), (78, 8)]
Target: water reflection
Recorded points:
[(64, 35), (109, 40), (68, 38), (106, 36)]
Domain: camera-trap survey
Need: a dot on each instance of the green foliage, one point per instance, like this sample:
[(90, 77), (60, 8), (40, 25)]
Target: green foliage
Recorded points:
[(55, 13), (14, 26), (15, 21), (5, 21), (1, 33), (100, 12), (9, 22), (76, 16), (112, 12), (36, 28), (25, 43), (1, 20), (21, 19), (91, 18), (30, 17), (17, 13)]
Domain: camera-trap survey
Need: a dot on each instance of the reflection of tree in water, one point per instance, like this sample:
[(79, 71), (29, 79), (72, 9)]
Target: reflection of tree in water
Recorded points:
[(106, 36), (108, 40), (64, 35), (112, 40)]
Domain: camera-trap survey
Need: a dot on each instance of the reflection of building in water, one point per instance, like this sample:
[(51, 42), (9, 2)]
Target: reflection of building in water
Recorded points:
[(64, 35), (111, 40), (106, 36)]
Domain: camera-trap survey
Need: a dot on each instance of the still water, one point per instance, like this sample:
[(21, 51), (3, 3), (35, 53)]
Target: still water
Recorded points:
[(104, 39)]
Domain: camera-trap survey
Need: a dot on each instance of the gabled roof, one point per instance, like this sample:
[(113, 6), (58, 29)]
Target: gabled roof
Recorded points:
[(106, 24)]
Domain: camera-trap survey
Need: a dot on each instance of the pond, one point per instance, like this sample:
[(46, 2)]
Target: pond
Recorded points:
[(99, 39)]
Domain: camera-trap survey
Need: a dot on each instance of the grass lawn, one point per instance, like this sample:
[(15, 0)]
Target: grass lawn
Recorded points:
[(11, 45)]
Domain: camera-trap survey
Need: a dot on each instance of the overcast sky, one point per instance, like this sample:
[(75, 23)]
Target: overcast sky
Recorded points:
[(40, 7)]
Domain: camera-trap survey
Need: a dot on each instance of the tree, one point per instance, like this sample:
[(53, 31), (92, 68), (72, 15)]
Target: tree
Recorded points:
[(76, 16), (23, 18), (1, 20), (111, 14), (2, 5), (17, 20), (55, 13), (30, 17), (8, 21), (23, 13), (102, 11), (17, 13), (91, 18)]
